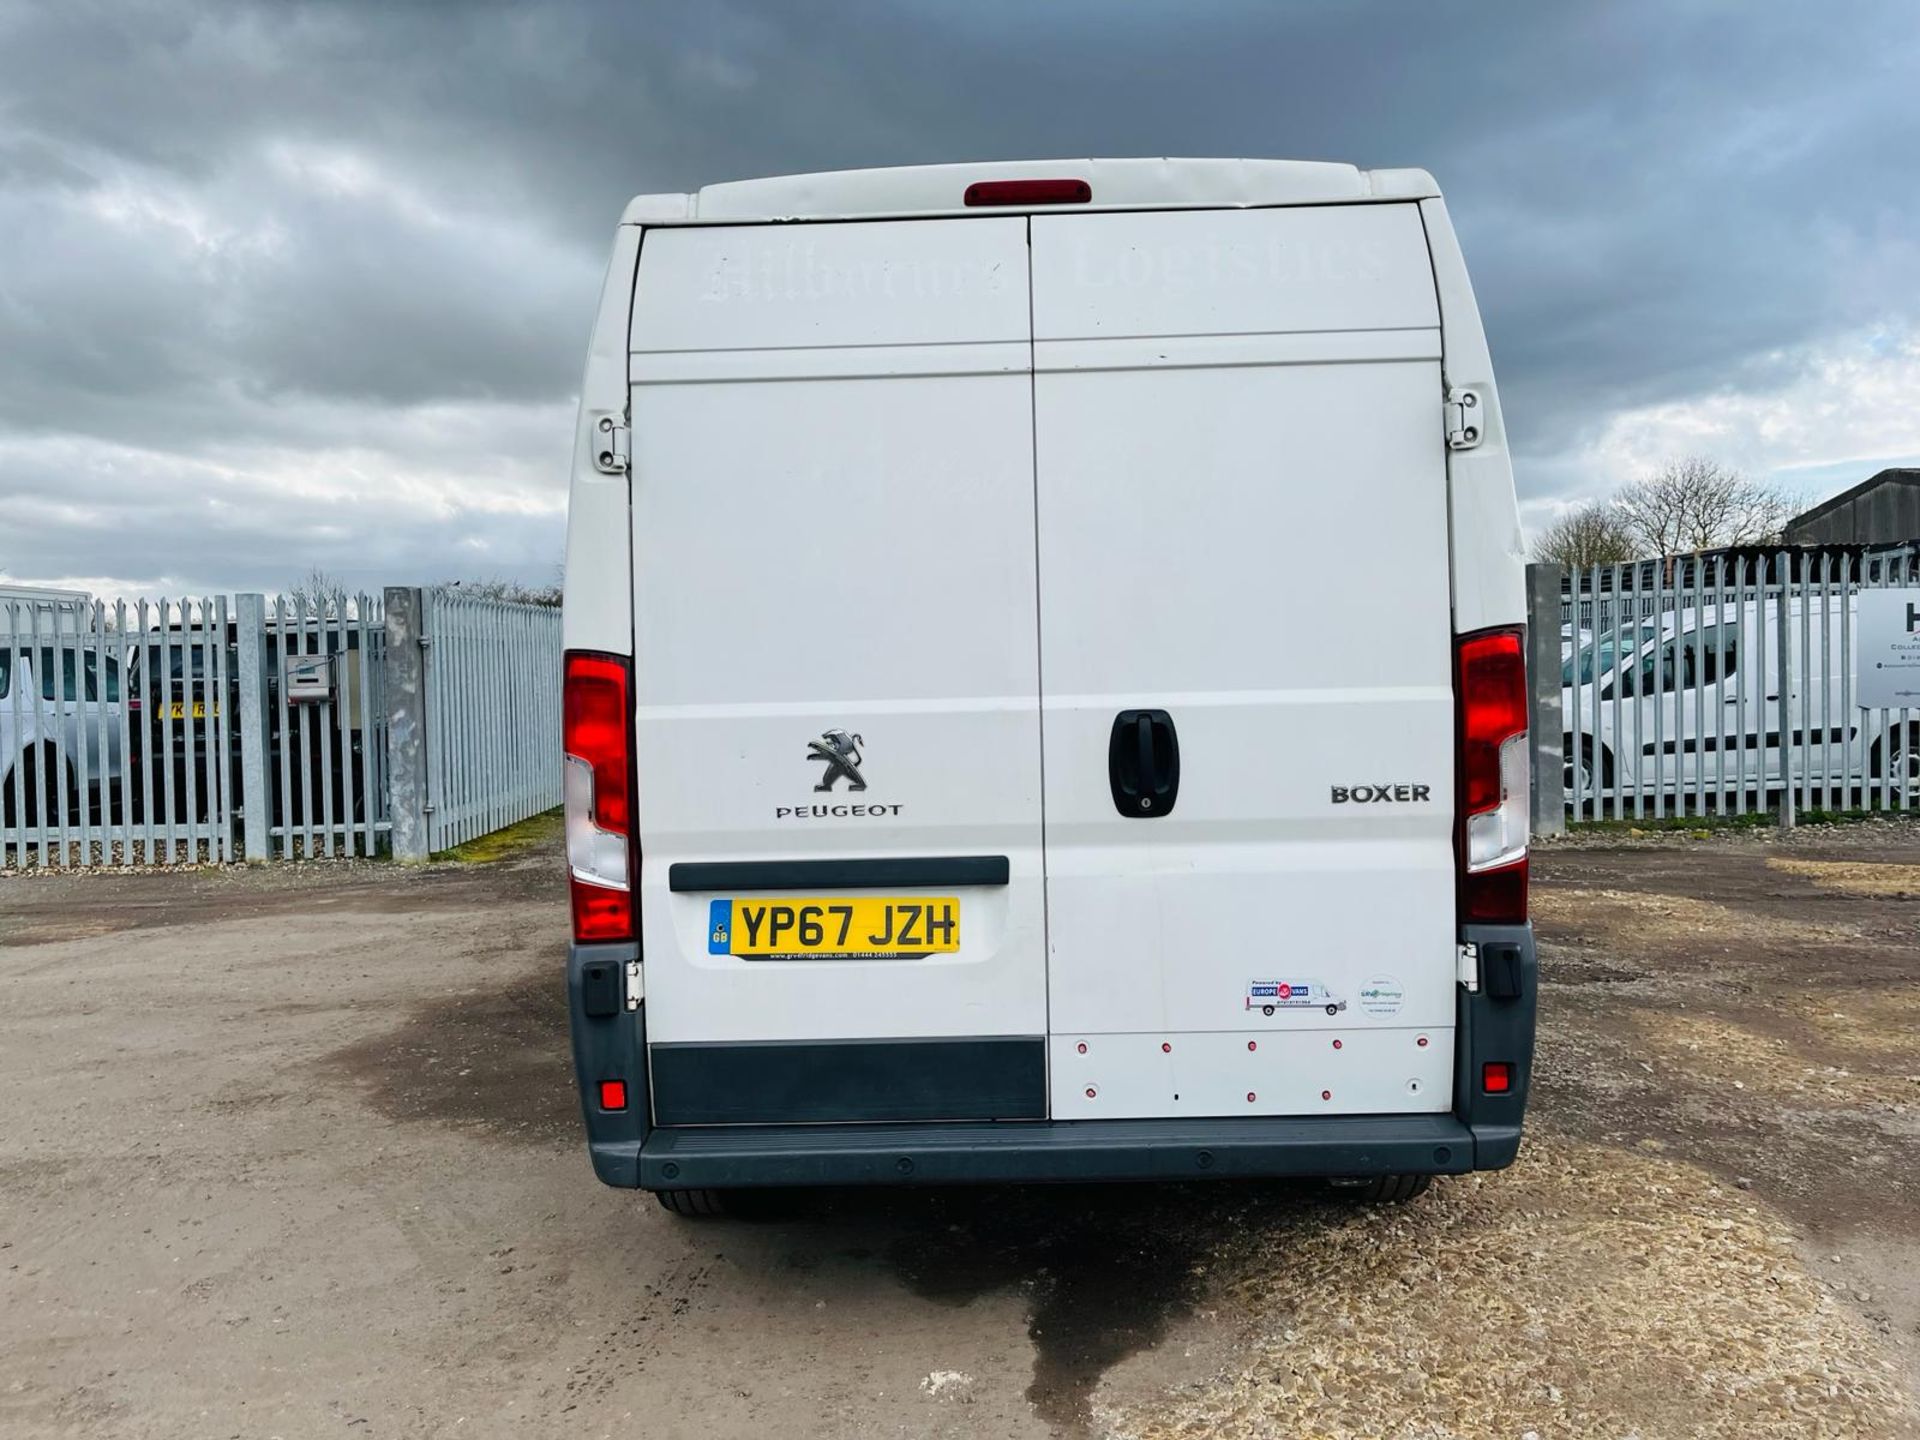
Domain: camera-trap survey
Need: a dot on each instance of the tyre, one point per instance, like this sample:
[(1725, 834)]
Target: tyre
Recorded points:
[(1392, 1189), (30, 768), (1896, 756), (695, 1204), (1578, 774)]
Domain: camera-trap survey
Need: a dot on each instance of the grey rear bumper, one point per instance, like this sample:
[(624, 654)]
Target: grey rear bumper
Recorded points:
[(1481, 1133), (723, 1157)]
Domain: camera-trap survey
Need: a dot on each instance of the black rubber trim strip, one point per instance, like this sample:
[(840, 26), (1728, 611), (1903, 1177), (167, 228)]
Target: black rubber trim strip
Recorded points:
[(1711, 743), (889, 872), (987, 1077), (1197, 1149)]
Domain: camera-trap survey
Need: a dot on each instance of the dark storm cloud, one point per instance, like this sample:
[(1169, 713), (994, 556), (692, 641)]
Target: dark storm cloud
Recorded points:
[(239, 240)]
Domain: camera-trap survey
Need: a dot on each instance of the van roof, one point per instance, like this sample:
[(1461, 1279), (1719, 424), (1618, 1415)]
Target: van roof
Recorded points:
[(908, 190)]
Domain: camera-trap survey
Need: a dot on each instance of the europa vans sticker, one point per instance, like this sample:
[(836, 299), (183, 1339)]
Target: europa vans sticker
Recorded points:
[(1269, 996), (1382, 995)]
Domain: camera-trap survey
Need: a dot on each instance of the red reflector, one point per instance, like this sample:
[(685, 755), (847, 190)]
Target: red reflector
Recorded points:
[(1496, 1077), (1029, 192), (613, 1094)]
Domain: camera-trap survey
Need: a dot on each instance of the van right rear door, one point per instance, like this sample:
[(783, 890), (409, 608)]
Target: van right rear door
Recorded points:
[(1242, 502)]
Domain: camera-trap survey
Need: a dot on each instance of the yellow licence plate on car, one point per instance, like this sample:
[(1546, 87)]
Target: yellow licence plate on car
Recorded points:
[(860, 927), (179, 710)]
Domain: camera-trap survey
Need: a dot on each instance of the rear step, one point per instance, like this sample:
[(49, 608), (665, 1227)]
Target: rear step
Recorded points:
[(727, 1156)]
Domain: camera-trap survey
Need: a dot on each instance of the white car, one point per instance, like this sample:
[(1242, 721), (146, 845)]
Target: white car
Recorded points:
[(968, 684)]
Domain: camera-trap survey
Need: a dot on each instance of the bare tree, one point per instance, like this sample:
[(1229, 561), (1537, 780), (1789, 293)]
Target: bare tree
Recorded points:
[(1594, 534), (315, 589), (1695, 503)]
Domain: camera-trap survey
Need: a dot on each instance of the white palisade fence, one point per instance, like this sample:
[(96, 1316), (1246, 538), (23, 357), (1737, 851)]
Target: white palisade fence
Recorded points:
[(493, 673), (213, 729), (1725, 683), (113, 733)]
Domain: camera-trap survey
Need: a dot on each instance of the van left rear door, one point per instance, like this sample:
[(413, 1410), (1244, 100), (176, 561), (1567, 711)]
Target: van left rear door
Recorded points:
[(837, 673)]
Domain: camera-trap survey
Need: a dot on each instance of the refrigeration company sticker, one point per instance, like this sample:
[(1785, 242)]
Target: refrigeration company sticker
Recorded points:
[(1382, 995)]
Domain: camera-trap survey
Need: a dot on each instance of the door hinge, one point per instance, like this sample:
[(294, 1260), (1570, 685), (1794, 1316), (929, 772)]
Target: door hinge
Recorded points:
[(612, 444), (1466, 419), (1468, 970), (636, 987)]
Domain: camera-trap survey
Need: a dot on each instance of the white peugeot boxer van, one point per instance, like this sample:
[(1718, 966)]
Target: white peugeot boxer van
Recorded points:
[(1044, 686)]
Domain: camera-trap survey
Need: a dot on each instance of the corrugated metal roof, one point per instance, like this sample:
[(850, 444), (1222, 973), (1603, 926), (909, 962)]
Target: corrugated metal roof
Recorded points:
[(1881, 510)]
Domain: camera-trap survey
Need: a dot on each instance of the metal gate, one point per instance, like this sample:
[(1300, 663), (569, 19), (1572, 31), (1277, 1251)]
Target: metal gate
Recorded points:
[(323, 659), (1726, 683)]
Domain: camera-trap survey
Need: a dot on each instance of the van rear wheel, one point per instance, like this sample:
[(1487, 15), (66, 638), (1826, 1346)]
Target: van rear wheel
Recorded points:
[(1392, 1189), (1581, 770), (698, 1204), (1896, 756)]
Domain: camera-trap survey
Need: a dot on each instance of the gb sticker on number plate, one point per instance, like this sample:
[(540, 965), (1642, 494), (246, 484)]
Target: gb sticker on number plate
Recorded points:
[(1269, 996)]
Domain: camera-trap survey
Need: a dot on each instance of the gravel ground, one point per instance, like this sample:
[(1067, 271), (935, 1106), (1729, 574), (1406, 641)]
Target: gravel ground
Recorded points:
[(293, 1152)]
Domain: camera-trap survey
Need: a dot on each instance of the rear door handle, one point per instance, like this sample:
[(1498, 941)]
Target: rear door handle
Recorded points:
[(1143, 763)]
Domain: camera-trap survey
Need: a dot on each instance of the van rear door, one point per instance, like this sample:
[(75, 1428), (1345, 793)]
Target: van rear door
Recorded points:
[(836, 672), (1242, 500)]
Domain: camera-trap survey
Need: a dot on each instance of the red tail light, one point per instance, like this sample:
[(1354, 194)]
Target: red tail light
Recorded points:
[(1490, 685), (598, 729), (1029, 192)]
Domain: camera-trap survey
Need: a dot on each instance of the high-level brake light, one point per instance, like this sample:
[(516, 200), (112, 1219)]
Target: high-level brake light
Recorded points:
[(1491, 688), (598, 731), (1029, 192)]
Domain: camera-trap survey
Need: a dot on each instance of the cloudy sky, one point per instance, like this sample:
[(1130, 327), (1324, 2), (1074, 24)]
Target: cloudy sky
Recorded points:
[(289, 286)]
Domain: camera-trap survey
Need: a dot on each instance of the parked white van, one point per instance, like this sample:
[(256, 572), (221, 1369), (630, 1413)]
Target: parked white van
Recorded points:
[(1018, 619), (1683, 711)]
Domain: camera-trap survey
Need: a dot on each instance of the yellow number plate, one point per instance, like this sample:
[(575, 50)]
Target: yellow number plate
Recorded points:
[(862, 927), (179, 709)]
